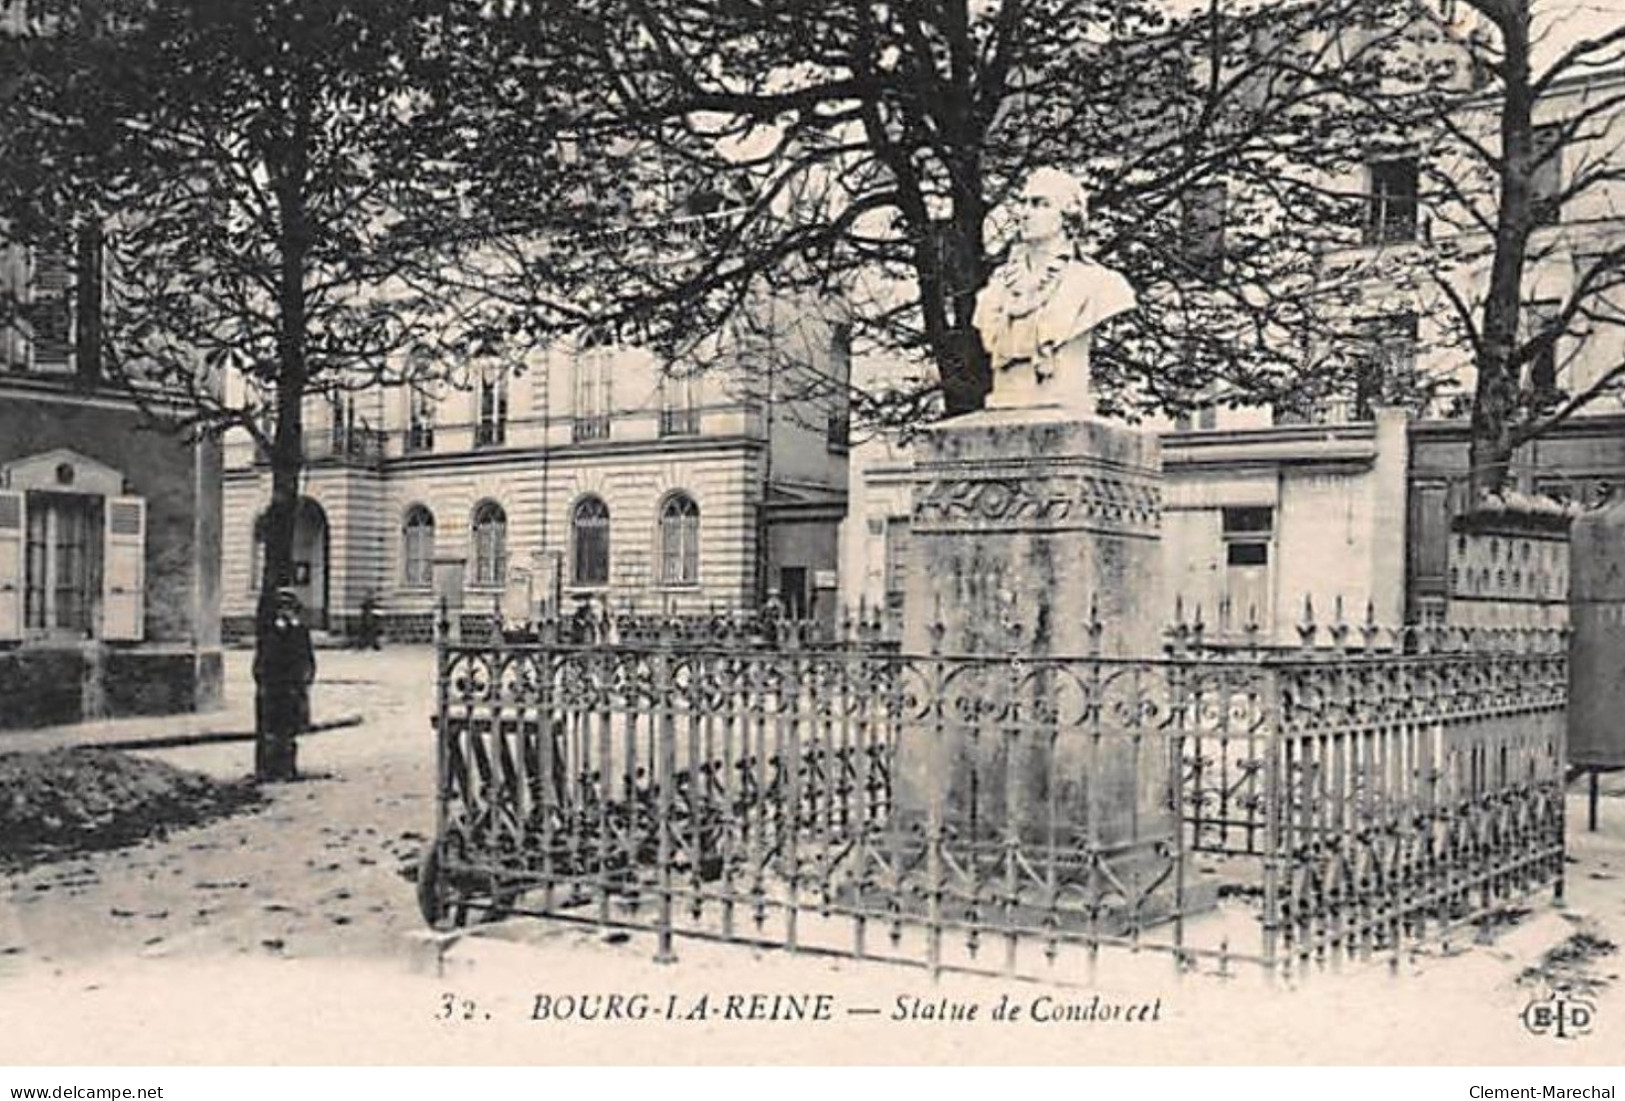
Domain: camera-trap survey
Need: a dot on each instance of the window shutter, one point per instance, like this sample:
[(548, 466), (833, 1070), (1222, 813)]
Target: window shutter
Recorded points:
[(12, 527), (124, 570), (51, 311)]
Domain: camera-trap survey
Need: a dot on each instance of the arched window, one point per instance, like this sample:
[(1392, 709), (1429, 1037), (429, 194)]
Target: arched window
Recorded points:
[(680, 540), (490, 544), (417, 548), (590, 526)]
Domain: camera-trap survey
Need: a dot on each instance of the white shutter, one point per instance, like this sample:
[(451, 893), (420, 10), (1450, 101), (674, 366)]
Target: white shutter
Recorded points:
[(124, 570), (12, 529)]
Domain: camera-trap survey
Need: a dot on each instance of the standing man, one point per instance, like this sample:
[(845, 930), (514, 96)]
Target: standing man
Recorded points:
[(284, 667)]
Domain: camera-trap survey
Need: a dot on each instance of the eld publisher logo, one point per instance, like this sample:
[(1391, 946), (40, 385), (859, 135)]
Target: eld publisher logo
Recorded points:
[(1562, 1018)]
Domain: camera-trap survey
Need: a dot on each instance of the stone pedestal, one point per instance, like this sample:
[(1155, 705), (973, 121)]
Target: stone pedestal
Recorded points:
[(1509, 566), (1036, 556), (1024, 518)]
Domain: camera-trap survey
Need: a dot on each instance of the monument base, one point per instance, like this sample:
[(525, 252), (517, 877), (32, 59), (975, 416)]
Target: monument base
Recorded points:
[(1037, 576)]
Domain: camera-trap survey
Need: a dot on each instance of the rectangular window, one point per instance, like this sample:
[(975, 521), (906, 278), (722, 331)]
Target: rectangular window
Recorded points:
[(1385, 363), (1392, 203), (492, 429), (58, 291), (679, 411), (342, 415), (897, 553), (420, 421), (62, 567), (1546, 175), (1247, 554), (49, 310), (1249, 520), (13, 284), (591, 409)]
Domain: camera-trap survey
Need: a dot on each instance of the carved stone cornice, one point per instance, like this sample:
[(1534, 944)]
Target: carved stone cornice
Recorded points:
[(1031, 497)]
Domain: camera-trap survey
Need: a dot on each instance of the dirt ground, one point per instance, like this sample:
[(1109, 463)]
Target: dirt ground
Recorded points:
[(290, 936)]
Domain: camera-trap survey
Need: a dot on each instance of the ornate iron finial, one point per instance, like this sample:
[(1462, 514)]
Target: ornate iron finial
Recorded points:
[(1307, 628)]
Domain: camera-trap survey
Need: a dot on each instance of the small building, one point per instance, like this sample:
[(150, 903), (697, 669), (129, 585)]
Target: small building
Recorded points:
[(109, 534)]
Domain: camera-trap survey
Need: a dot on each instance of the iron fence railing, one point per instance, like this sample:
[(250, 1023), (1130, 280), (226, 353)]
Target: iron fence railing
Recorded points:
[(967, 812)]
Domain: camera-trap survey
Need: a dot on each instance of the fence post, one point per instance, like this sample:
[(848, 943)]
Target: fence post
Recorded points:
[(1275, 809), (937, 788), (442, 665), (665, 779)]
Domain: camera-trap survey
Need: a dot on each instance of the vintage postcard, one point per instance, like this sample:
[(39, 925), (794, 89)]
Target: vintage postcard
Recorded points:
[(1019, 532)]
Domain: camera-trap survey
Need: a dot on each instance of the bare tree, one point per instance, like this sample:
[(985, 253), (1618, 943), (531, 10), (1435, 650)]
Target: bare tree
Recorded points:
[(1510, 111)]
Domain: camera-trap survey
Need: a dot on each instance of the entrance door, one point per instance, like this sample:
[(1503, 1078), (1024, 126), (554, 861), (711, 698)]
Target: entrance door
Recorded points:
[(793, 591), (310, 547)]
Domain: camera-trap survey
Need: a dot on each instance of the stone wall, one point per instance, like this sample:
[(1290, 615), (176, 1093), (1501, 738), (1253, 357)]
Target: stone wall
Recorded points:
[(50, 685)]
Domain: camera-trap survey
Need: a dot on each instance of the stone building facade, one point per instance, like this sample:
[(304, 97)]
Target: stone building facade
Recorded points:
[(591, 473)]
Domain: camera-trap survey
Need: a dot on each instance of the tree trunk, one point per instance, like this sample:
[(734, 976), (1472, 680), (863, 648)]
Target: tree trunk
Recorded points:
[(1495, 397), (281, 695), (283, 663)]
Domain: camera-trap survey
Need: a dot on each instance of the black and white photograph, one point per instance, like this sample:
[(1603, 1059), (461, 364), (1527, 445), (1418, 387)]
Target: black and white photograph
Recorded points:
[(931, 533)]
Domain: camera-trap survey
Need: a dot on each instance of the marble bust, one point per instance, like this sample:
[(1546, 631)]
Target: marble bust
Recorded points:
[(1037, 311)]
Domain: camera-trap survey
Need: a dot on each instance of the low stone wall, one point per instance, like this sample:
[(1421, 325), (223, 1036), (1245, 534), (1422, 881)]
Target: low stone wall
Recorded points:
[(49, 685), (136, 682), (42, 686)]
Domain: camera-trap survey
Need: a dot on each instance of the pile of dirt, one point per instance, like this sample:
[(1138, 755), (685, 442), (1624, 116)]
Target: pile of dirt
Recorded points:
[(67, 801)]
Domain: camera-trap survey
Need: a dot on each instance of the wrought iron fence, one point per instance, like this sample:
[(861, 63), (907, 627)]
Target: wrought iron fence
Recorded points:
[(967, 812)]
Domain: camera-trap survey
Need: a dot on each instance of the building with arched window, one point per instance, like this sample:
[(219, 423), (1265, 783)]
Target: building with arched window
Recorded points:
[(417, 548), (589, 541), (679, 540), (489, 542), (530, 492)]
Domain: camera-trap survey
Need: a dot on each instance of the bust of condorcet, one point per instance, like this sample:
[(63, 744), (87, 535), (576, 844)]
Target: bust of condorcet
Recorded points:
[(1037, 311)]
